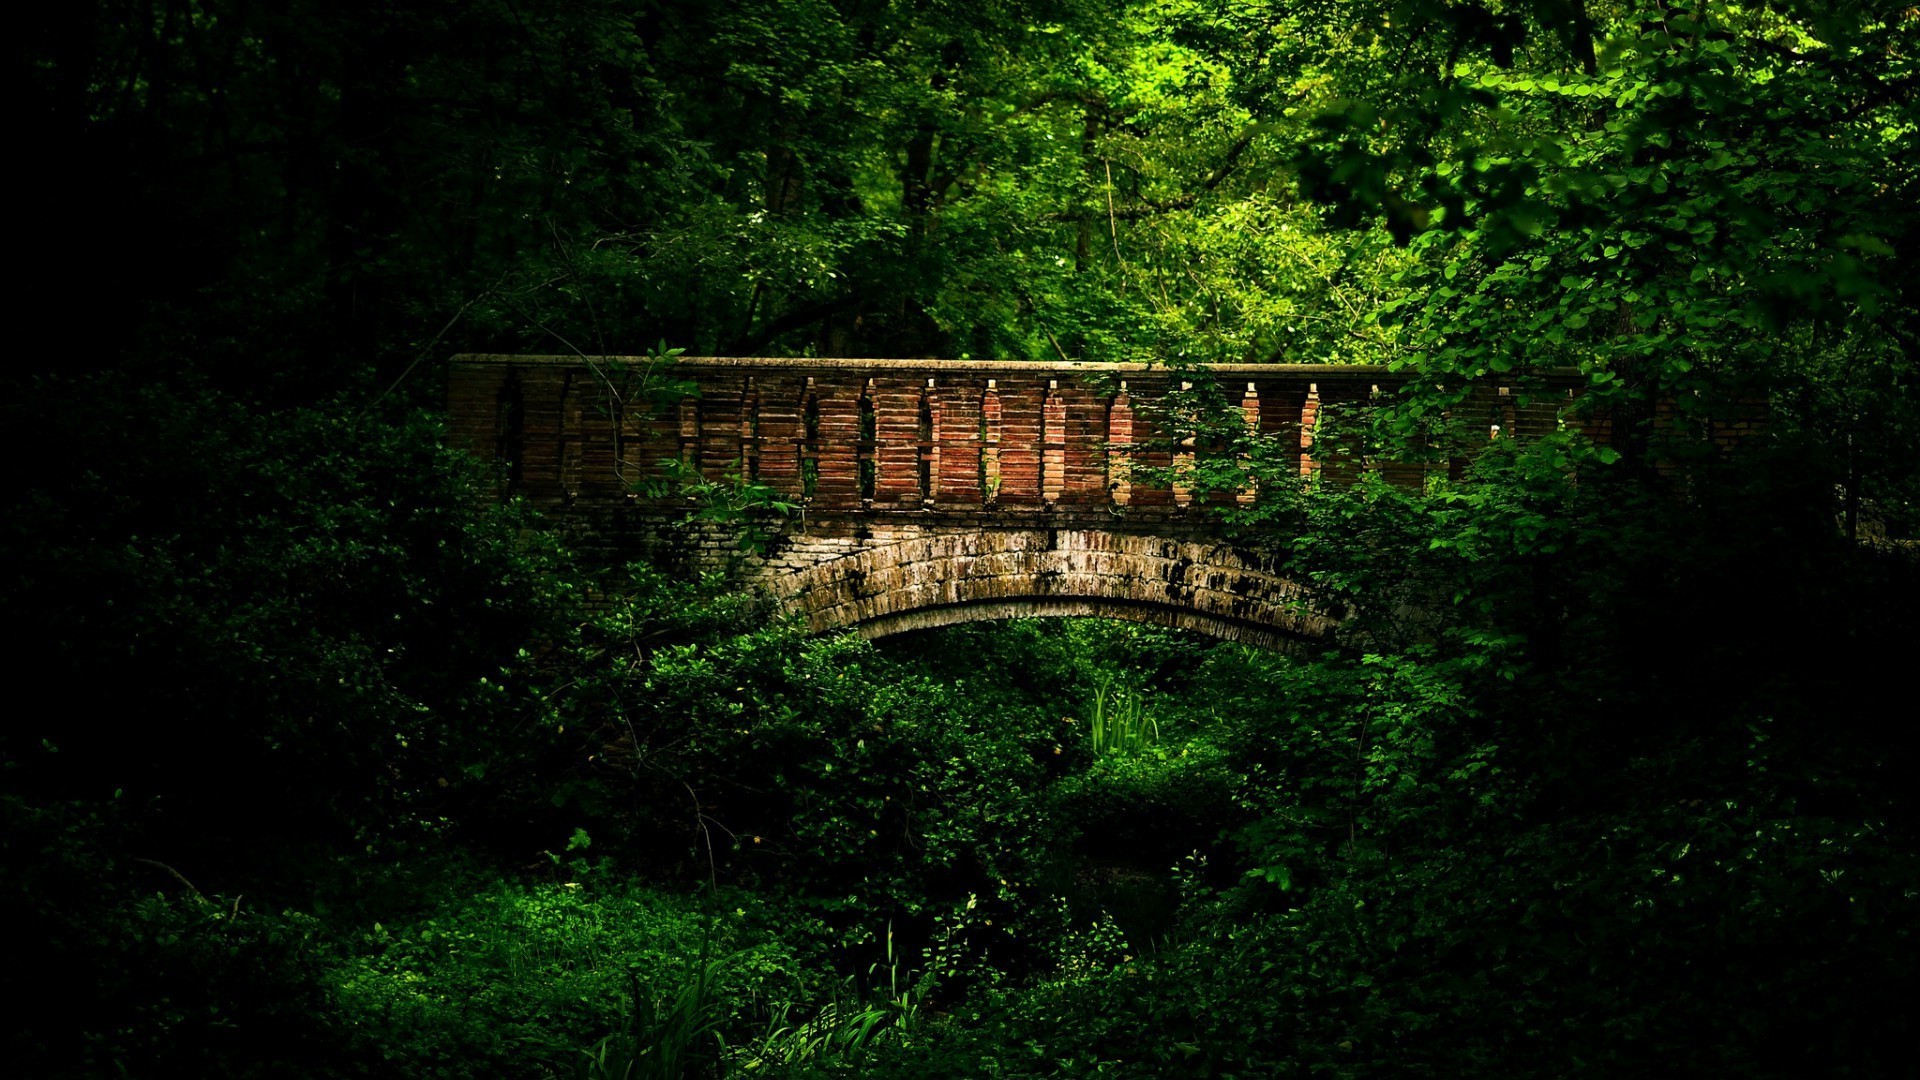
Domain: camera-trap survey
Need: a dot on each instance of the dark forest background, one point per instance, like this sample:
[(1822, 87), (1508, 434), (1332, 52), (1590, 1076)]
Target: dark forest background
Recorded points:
[(325, 762)]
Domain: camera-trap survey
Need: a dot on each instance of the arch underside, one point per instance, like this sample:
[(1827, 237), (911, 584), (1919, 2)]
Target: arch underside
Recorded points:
[(975, 576), (1054, 607)]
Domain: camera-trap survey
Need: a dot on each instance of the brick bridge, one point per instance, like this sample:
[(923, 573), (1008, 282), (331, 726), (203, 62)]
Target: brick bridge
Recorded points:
[(933, 492)]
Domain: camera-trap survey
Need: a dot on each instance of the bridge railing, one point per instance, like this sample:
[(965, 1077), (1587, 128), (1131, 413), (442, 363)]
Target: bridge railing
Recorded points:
[(899, 435)]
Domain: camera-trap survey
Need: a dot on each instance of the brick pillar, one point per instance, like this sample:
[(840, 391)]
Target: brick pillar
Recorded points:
[(1085, 451), (1021, 402), (838, 486), (957, 444), (1053, 444), (1150, 449), (689, 411), (1249, 415), (721, 402), (630, 446), (990, 443), (570, 435), (1309, 418), (770, 435), (1183, 460), (896, 403)]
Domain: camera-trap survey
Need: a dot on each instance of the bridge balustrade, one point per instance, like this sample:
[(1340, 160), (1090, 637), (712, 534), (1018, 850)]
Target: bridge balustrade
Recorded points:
[(885, 436)]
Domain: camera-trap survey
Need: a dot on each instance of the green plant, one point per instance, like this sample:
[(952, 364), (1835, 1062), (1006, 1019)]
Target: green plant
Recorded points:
[(845, 1028), (662, 1039), (507, 978), (1084, 950), (733, 501), (1119, 723)]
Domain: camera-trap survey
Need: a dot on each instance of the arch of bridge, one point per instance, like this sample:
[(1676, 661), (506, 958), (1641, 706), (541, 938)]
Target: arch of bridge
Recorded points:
[(952, 577)]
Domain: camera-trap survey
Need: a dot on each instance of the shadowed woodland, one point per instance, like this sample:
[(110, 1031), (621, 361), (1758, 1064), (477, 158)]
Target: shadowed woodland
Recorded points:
[(331, 762)]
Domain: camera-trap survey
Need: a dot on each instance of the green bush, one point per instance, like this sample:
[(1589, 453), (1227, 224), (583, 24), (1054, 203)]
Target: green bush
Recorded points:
[(520, 976)]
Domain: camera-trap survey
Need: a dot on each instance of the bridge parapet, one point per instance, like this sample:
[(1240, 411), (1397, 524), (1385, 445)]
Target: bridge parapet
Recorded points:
[(882, 436)]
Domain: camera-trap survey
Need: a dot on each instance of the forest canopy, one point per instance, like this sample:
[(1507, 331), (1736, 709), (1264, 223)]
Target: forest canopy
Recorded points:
[(327, 762)]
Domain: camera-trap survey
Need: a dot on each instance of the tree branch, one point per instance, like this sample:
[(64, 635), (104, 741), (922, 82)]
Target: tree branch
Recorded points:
[(749, 344)]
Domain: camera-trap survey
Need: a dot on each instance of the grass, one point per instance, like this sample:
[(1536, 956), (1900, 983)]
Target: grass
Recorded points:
[(1120, 723)]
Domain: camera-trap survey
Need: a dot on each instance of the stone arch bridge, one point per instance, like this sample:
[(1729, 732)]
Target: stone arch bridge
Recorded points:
[(933, 492)]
